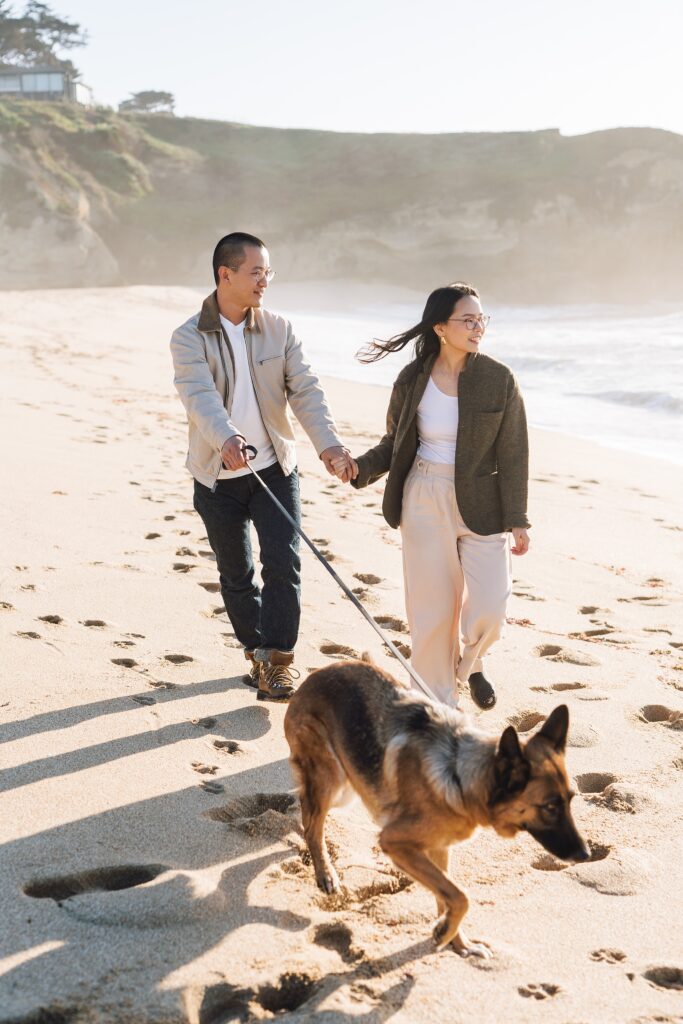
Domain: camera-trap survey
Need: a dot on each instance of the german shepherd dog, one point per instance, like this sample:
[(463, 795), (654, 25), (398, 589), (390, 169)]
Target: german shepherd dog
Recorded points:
[(427, 777)]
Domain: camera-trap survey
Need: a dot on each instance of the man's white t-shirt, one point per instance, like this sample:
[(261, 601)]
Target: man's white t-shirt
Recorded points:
[(245, 413)]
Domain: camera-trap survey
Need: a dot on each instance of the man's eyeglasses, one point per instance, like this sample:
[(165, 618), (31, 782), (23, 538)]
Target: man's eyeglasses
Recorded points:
[(260, 275), (471, 322)]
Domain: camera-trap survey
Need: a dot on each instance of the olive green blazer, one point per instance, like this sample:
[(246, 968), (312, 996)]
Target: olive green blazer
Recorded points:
[(492, 447)]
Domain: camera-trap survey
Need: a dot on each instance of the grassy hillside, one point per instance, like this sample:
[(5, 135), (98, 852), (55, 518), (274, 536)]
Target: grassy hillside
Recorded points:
[(530, 216)]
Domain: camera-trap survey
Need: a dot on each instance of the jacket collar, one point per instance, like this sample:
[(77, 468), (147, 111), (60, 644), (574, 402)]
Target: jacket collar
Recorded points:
[(210, 317)]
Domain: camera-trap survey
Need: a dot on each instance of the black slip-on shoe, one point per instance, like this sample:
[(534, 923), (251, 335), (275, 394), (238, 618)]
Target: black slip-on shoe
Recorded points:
[(483, 694)]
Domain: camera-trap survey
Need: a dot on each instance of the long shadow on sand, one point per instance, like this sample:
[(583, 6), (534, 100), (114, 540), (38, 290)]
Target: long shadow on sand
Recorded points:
[(247, 723), (67, 717), (122, 943)]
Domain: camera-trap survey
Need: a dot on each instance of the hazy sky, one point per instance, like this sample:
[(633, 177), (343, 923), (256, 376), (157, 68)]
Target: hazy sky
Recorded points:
[(392, 65)]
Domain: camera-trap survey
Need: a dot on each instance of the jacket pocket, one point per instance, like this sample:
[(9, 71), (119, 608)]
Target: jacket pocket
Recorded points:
[(269, 359)]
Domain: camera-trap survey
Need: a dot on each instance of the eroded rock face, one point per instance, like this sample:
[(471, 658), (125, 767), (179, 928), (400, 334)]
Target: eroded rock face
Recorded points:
[(54, 253)]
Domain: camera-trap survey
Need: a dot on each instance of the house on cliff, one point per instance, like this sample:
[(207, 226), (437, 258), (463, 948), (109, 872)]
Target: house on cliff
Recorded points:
[(43, 83)]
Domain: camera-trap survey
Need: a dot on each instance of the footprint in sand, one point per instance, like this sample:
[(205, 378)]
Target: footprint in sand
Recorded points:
[(665, 977), (554, 652), (649, 600), (368, 578), (613, 872), (182, 567), (540, 990), (263, 814), (178, 659), (525, 721), (211, 787), (579, 735), (227, 746), (589, 634), (204, 723), (624, 799), (338, 936), (152, 536), (595, 782), (405, 649), (661, 714), (207, 554), (321, 540), (124, 662), (392, 622), (6, 606), (143, 698), (333, 650), (161, 684), (54, 619), (608, 956), (523, 590), (560, 687), (203, 769), (123, 643), (111, 879), (592, 609), (94, 623), (211, 588)]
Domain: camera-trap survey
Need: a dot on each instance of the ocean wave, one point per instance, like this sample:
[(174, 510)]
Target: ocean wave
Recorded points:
[(658, 401), (533, 363)]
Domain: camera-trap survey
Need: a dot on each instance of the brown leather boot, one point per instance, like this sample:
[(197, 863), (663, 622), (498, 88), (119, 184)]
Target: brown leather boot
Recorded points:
[(252, 676), (276, 681)]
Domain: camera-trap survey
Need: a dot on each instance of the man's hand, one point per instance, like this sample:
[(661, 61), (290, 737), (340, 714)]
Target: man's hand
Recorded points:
[(521, 538), (338, 462), (345, 469), (232, 454)]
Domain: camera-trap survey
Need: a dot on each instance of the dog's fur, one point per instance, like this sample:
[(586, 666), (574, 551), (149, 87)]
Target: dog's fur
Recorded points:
[(427, 777)]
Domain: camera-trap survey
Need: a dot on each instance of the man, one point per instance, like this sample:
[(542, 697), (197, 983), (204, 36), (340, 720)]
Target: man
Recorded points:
[(237, 366)]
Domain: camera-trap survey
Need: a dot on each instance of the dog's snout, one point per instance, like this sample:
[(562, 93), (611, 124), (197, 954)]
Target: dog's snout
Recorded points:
[(581, 855)]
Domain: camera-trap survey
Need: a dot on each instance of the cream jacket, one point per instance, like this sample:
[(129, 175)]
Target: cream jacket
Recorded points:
[(205, 380)]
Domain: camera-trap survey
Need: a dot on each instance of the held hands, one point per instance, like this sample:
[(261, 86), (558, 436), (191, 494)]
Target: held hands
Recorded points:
[(338, 462), (521, 539), (232, 454)]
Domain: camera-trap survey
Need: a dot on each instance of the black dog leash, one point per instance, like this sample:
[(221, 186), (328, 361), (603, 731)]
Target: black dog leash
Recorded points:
[(250, 453)]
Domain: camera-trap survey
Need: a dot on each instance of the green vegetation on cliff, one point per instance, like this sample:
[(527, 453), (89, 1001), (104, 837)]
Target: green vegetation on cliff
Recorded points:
[(531, 216)]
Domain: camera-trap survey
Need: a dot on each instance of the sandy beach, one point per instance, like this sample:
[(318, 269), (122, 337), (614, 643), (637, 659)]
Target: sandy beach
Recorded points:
[(152, 867)]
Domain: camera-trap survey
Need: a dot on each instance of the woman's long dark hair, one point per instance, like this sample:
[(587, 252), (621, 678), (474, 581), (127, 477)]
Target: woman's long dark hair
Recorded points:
[(439, 307)]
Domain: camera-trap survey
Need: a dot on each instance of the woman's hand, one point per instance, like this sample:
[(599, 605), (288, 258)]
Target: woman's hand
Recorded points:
[(345, 469), (521, 539)]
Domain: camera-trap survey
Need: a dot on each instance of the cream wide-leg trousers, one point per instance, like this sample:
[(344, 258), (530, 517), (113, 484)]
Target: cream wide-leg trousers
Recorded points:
[(455, 581)]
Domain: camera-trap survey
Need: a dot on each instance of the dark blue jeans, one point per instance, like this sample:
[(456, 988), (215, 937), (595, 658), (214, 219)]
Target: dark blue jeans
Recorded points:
[(268, 617)]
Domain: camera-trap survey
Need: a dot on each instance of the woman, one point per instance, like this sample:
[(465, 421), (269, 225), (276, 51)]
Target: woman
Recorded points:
[(456, 450)]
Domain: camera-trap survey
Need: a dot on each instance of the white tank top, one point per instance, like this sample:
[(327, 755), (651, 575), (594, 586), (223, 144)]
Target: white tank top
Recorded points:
[(437, 425)]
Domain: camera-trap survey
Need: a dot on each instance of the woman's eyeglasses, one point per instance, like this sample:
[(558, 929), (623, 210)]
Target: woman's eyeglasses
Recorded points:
[(471, 322)]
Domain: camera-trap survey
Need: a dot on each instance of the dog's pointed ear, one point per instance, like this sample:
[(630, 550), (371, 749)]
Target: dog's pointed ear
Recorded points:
[(511, 768), (555, 728)]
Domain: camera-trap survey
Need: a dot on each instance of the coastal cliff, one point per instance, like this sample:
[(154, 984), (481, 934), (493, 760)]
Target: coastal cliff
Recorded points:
[(90, 197)]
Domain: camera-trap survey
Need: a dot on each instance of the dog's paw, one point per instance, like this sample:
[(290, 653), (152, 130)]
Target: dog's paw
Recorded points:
[(479, 949), (328, 881), (443, 931)]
